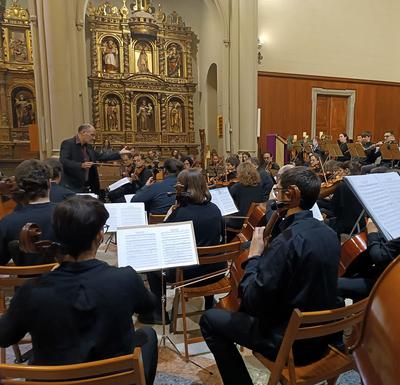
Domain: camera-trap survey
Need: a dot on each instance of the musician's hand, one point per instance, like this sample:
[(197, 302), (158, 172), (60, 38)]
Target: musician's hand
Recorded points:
[(125, 151), (371, 227), (150, 181), (257, 243), (86, 165)]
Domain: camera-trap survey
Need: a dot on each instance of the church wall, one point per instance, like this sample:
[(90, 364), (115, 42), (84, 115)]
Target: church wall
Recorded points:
[(285, 102), (352, 39)]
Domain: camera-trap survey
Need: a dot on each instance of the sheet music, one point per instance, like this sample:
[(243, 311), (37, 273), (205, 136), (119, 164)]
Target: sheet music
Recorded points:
[(128, 197), (224, 201), (316, 212), (380, 196), (119, 183), (154, 247), (125, 214)]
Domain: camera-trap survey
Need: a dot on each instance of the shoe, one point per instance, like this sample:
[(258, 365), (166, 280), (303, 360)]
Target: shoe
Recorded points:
[(153, 318)]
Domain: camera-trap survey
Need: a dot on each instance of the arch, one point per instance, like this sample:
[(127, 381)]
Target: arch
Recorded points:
[(212, 105)]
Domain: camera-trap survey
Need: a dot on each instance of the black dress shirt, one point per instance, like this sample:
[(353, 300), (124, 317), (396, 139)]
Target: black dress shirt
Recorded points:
[(155, 197), (78, 313), (299, 270), (11, 225)]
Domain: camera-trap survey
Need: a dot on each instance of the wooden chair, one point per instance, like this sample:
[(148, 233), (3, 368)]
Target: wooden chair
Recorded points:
[(310, 325), (156, 218), (124, 370), (11, 277), (207, 255), (378, 349)]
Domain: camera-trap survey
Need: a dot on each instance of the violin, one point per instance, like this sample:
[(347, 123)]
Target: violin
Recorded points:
[(329, 187)]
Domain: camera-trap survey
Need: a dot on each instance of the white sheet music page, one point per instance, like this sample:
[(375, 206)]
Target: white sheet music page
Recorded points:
[(128, 197), (154, 247), (380, 196), (125, 214), (223, 199), (119, 183)]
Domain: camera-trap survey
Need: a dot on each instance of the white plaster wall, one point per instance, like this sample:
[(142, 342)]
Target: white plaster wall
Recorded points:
[(343, 38)]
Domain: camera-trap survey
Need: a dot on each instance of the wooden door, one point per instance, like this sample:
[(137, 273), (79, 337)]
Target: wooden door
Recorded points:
[(332, 114)]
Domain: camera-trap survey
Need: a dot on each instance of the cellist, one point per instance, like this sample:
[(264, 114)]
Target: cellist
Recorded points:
[(298, 270)]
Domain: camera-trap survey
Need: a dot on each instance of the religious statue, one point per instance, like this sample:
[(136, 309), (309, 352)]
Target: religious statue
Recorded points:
[(18, 50), (24, 110), (174, 62), (144, 115), (142, 62), (110, 56), (112, 115), (175, 116)]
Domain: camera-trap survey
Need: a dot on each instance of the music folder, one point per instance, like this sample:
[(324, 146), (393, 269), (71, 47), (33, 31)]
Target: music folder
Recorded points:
[(379, 194), (155, 247)]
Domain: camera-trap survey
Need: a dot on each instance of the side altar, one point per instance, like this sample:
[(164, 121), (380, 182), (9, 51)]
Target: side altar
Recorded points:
[(141, 77)]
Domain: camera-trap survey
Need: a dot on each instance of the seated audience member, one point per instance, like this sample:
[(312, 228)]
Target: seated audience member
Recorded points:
[(138, 179), (231, 164), (155, 194), (298, 270), (267, 180), (33, 181), (195, 206), (187, 162), (366, 270), (82, 311), (247, 190), (57, 192), (216, 168)]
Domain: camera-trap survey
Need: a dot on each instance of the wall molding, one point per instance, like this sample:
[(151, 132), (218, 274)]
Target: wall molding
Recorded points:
[(328, 78)]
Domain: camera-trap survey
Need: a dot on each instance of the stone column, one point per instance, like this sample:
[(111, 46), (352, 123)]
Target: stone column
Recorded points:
[(243, 75), (58, 40)]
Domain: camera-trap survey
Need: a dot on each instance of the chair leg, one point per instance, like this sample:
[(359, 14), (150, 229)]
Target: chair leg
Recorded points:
[(175, 311), (17, 353), (184, 324), (332, 381), (2, 356)]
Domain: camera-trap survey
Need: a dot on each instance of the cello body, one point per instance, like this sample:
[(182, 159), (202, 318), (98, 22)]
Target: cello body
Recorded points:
[(351, 250)]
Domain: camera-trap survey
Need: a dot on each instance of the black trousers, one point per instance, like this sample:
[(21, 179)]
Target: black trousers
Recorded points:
[(146, 338), (356, 288), (222, 330)]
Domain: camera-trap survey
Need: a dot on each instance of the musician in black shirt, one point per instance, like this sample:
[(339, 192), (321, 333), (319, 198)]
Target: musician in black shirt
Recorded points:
[(82, 311), (298, 270)]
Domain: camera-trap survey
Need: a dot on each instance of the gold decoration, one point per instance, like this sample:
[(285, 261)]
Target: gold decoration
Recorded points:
[(141, 77), (16, 13)]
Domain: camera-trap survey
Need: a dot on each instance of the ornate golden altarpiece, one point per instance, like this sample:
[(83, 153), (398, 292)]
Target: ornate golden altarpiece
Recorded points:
[(141, 77), (17, 85)]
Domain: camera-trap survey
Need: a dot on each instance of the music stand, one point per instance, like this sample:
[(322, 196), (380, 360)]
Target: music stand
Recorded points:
[(334, 150), (356, 150)]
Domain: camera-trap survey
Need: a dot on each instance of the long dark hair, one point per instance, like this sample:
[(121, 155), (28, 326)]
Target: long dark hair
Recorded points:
[(195, 185)]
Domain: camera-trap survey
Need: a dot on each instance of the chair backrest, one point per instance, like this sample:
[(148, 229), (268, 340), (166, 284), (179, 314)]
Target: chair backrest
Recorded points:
[(220, 253), (378, 349), (156, 218), (317, 324), (124, 370), (12, 276)]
